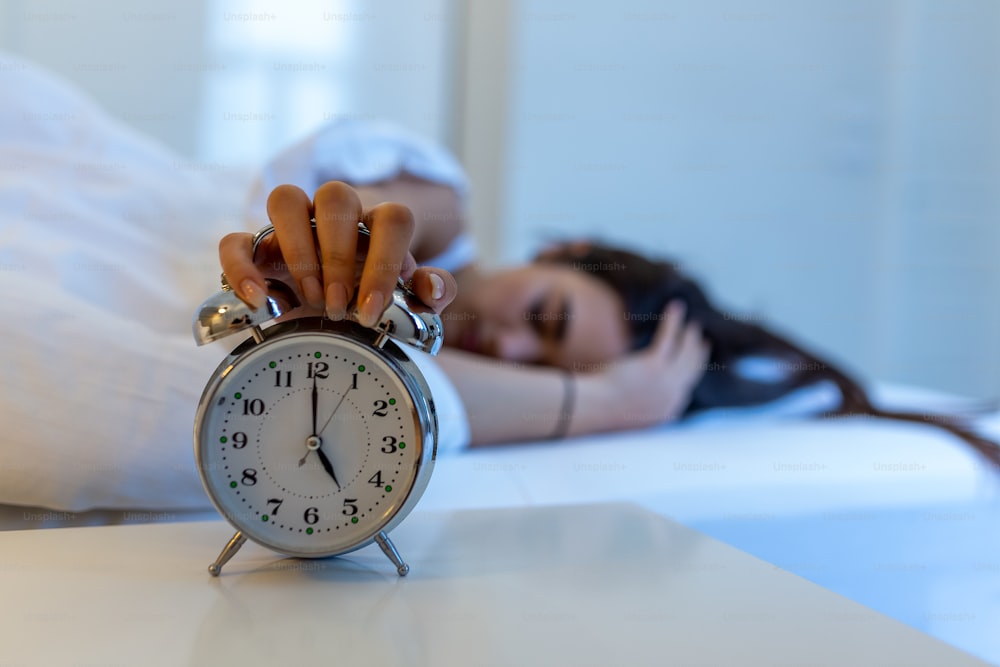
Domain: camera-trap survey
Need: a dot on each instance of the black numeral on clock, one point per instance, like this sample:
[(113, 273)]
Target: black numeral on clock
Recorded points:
[(253, 407), (390, 444), (249, 477), (350, 509), (276, 503), (239, 440), (311, 515), (376, 479), (381, 408), (318, 369), (282, 378)]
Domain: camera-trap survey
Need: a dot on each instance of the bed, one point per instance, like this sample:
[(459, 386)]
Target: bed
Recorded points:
[(897, 516)]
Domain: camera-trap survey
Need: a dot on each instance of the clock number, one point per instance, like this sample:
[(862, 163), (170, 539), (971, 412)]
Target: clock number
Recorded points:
[(311, 515), (254, 407), (390, 444), (277, 503), (354, 381), (318, 369), (381, 408), (249, 477), (376, 479), (350, 509), (239, 440), (285, 376)]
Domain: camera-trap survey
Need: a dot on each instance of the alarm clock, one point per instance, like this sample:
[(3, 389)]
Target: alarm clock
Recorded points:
[(315, 437)]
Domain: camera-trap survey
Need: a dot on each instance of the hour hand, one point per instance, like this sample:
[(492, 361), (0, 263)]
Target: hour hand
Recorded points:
[(327, 466)]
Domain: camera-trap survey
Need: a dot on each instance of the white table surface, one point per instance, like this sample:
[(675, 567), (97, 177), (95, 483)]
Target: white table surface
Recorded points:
[(577, 585)]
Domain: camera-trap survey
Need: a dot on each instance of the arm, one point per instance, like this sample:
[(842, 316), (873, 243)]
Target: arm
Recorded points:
[(437, 211), (509, 402)]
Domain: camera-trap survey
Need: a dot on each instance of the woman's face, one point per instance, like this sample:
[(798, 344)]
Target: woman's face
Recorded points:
[(539, 313)]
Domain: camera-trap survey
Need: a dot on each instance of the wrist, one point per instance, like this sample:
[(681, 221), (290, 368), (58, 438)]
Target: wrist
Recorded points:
[(599, 406)]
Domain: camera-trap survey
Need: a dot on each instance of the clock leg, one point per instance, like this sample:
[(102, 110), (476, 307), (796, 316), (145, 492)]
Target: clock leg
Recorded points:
[(389, 550), (228, 552)]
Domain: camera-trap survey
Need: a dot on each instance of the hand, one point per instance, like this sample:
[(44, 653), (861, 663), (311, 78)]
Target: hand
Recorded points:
[(654, 385), (324, 265)]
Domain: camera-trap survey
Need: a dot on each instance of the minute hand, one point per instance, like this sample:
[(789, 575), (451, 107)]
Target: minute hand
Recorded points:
[(339, 403)]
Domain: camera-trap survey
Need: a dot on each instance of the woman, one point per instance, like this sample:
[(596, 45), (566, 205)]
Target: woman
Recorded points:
[(590, 338), (543, 321)]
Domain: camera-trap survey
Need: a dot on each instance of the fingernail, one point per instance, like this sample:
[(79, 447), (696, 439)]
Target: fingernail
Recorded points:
[(336, 301), (371, 309), (437, 286), (312, 291), (252, 293)]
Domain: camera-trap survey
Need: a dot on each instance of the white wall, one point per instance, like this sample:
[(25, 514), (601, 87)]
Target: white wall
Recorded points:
[(829, 168), (232, 81)]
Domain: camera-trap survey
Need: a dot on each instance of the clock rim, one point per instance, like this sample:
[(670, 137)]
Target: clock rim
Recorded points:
[(389, 353)]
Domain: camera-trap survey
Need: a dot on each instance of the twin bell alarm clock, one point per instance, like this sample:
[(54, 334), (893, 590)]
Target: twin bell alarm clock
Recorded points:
[(315, 437)]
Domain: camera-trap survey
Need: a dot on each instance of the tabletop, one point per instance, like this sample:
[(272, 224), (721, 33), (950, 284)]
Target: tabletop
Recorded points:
[(578, 584)]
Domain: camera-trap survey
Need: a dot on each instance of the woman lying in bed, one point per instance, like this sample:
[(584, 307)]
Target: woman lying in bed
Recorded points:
[(584, 339), (107, 248)]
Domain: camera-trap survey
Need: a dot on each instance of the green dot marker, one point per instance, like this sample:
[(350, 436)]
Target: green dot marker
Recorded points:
[(309, 531), (361, 369), (392, 401), (402, 445), (388, 488), (354, 519), (263, 517), (223, 439), (272, 364), (239, 395), (232, 485), (317, 355)]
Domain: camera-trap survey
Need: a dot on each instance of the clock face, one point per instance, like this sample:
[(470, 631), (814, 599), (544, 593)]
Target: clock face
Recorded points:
[(310, 443)]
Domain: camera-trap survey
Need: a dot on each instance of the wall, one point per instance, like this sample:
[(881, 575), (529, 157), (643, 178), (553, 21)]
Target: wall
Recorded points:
[(233, 81), (828, 169)]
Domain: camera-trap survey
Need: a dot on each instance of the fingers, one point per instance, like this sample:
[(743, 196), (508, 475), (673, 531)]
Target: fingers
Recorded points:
[(338, 210), (666, 340), (391, 227), (290, 211), (680, 345), (328, 261), (236, 258), (435, 287)]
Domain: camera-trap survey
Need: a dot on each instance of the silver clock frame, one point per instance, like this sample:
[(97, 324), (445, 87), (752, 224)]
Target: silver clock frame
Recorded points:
[(392, 355), (405, 320)]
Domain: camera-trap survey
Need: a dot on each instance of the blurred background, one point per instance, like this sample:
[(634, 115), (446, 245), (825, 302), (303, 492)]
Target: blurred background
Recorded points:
[(826, 168)]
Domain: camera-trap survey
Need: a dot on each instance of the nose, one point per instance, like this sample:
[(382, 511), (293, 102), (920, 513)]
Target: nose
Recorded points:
[(517, 344)]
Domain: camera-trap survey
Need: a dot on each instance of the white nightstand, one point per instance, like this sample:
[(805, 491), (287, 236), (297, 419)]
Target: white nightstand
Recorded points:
[(574, 585)]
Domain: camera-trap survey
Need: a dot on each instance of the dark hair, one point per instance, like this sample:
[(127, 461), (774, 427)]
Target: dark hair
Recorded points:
[(647, 286)]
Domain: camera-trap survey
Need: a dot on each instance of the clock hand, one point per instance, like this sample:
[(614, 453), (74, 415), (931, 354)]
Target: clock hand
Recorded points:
[(328, 419), (309, 447), (314, 441), (327, 466), (315, 401)]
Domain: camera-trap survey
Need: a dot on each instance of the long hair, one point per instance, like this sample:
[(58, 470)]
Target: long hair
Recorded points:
[(646, 287)]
